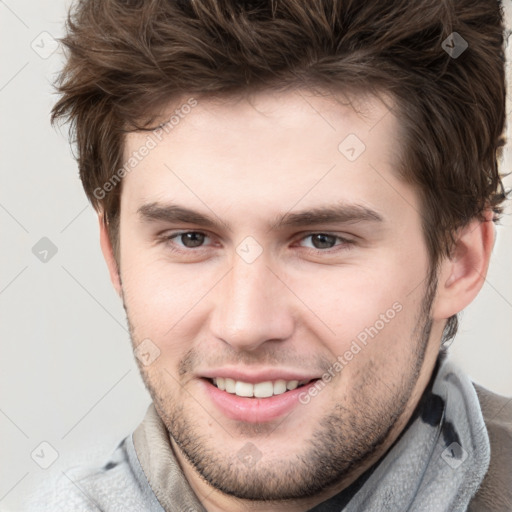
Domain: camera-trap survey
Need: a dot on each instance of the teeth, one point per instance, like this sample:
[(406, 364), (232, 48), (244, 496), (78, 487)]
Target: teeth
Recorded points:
[(279, 387), (292, 384), (221, 383), (259, 390), (263, 389), (230, 385), (244, 389)]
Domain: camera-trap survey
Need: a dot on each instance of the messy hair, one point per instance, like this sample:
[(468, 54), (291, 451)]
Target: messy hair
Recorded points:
[(441, 61)]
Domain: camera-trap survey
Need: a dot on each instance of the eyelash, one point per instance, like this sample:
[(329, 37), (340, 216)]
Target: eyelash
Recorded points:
[(344, 245)]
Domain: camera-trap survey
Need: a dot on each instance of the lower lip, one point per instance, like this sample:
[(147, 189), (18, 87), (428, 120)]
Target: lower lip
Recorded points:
[(254, 410)]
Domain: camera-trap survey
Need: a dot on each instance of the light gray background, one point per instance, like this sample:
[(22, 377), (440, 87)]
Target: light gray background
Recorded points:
[(67, 374)]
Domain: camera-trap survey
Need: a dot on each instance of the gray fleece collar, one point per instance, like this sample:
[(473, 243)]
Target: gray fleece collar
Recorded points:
[(439, 461), (436, 465)]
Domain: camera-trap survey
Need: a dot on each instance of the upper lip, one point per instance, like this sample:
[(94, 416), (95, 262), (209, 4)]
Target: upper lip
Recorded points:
[(254, 376)]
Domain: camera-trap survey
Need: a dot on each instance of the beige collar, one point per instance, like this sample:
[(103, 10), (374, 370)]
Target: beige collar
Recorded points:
[(162, 470)]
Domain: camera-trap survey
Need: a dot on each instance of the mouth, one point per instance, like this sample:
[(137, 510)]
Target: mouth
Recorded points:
[(257, 402), (265, 389)]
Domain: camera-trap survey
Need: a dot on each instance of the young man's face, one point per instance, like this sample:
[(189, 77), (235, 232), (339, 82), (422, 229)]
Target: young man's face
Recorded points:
[(267, 292)]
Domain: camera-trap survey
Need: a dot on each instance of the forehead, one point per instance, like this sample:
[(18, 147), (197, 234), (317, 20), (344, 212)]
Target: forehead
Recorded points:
[(267, 151)]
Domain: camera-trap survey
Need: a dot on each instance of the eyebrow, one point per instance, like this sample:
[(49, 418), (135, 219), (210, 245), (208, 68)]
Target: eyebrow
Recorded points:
[(331, 214), (335, 214)]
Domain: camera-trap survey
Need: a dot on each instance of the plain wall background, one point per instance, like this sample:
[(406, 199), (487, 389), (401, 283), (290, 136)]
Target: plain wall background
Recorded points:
[(67, 374)]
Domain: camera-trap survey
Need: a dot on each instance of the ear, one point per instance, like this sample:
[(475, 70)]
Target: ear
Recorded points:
[(108, 254), (462, 275)]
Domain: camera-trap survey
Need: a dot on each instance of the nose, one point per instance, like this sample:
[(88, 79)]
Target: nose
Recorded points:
[(252, 306)]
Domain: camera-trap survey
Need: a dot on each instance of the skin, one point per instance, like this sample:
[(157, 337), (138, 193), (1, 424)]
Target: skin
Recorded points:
[(246, 163)]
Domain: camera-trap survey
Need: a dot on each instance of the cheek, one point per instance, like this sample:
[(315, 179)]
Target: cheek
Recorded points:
[(160, 309), (351, 297), (158, 296), (371, 311)]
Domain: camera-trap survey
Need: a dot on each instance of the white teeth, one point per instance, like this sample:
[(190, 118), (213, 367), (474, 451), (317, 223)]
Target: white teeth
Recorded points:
[(263, 389), (259, 390), (244, 389), (230, 385), (292, 384), (279, 387)]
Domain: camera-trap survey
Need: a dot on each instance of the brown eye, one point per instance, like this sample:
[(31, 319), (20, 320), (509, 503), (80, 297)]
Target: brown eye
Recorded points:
[(323, 241), (192, 238)]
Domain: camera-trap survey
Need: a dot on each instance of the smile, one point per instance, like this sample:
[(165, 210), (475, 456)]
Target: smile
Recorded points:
[(257, 390), (257, 402)]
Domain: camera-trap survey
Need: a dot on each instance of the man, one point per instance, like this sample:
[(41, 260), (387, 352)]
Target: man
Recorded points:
[(296, 199)]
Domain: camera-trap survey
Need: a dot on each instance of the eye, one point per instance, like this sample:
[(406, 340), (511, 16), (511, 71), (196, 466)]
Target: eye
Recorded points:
[(324, 241), (188, 239)]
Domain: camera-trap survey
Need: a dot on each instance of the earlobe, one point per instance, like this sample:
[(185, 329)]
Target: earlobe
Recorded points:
[(462, 275), (108, 254)]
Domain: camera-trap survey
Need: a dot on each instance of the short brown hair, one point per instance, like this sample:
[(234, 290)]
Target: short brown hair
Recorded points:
[(442, 62)]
